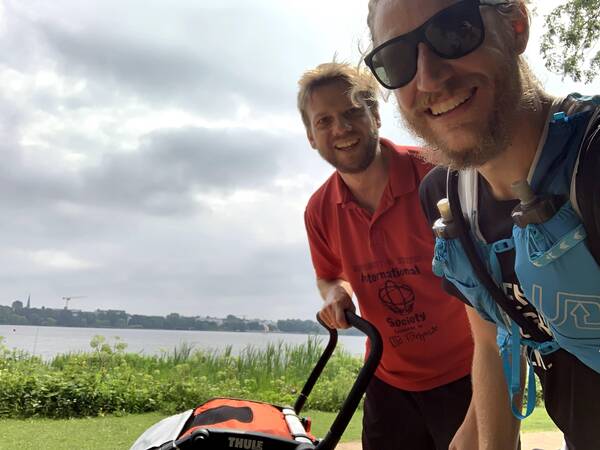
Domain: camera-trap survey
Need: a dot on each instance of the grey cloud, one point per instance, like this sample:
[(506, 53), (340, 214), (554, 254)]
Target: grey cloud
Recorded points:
[(160, 177), (271, 282), (21, 181), (171, 166), (130, 212), (187, 272), (43, 203), (209, 59)]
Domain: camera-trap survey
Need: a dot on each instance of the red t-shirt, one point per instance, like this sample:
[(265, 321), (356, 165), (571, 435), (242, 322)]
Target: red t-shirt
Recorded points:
[(386, 257)]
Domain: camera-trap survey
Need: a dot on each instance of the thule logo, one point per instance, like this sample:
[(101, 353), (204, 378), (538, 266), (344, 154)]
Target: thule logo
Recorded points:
[(248, 444)]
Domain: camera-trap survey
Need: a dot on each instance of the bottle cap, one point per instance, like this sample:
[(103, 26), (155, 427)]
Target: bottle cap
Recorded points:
[(523, 191), (443, 207)]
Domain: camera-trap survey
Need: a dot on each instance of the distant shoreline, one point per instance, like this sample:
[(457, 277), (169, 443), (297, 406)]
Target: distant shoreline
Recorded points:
[(322, 332), (23, 314), (48, 341)]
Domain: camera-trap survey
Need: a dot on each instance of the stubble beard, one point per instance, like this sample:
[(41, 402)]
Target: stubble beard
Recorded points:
[(367, 157), (490, 140)]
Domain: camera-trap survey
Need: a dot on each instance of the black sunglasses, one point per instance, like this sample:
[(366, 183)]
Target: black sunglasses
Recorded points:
[(451, 33)]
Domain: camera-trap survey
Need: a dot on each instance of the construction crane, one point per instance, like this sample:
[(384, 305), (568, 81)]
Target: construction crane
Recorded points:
[(68, 299)]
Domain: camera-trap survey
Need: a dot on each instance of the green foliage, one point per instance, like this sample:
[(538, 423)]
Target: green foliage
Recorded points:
[(107, 380), (572, 38), (298, 326)]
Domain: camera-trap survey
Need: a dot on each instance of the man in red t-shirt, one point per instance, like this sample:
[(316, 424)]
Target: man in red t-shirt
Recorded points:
[(369, 237)]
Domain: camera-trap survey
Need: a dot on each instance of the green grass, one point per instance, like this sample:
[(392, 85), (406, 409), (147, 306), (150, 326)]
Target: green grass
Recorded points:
[(107, 433), (322, 420), (538, 421), (115, 433), (118, 433)]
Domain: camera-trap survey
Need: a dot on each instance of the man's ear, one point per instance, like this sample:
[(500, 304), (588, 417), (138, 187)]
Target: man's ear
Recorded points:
[(376, 117), (520, 27)]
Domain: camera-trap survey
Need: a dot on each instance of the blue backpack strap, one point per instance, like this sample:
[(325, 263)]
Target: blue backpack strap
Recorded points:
[(587, 185), (480, 268), (511, 363), (510, 353), (511, 360)]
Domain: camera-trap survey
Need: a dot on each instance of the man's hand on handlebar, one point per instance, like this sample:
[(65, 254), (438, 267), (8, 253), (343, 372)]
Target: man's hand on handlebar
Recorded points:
[(336, 302)]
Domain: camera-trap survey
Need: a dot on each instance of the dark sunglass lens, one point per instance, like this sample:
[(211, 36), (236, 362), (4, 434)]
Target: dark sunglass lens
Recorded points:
[(395, 64), (456, 31)]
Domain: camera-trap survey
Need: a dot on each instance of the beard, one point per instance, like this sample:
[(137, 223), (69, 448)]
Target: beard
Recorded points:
[(490, 139), (363, 159)]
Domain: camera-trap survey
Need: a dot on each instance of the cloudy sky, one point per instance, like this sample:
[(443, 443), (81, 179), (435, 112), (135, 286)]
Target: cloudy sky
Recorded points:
[(152, 158)]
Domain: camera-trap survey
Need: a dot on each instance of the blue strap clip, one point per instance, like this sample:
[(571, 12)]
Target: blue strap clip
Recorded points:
[(560, 116)]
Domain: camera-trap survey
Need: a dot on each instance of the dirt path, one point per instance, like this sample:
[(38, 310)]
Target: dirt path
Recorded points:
[(549, 440), (530, 441)]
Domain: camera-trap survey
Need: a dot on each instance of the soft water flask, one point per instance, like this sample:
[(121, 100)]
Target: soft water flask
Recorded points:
[(445, 227), (532, 208)]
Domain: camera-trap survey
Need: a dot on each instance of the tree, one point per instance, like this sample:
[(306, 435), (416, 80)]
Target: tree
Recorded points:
[(17, 305), (298, 326), (572, 38), (233, 323)]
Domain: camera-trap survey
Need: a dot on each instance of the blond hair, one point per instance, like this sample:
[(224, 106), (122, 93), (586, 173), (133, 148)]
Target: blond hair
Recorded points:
[(362, 86)]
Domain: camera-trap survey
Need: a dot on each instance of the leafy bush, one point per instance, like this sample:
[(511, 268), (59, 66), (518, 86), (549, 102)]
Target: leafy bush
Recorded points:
[(109, 380)]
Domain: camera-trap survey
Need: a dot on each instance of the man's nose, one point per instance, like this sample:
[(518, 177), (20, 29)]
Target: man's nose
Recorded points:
[(432, 71), (342, 125)]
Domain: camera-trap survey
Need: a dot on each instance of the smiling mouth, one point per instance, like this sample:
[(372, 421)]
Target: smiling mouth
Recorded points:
[(345, 145), (451, 104)]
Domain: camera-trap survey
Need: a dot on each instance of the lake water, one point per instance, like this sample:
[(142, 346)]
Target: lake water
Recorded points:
[(50, 341)]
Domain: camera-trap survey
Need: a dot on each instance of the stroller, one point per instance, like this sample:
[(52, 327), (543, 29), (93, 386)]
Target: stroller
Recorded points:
[(226, 423)]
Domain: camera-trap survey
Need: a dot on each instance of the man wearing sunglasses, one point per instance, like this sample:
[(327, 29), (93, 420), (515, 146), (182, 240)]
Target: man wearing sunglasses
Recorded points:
[(368, 237), (506, 149)]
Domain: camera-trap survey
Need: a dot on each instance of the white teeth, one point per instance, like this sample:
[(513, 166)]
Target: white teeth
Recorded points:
[(346, 144), (449, 104)]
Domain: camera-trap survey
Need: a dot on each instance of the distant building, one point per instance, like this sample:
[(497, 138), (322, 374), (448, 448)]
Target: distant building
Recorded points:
[(112, 311)]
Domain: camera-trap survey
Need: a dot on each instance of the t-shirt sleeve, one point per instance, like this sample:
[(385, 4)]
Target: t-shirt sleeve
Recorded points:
[(326, 263), (432, 189)]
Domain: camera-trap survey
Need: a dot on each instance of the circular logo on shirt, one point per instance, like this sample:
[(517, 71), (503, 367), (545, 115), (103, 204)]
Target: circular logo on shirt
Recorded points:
[(398, 298)]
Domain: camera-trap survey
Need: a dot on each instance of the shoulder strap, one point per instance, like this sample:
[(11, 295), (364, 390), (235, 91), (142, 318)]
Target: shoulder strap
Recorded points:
[(479, 267), (468, 194), (587, 185)]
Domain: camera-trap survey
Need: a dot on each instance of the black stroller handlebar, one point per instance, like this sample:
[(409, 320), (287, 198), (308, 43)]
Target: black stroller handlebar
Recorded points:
[(338, 426), (359, 387), (357, 322)]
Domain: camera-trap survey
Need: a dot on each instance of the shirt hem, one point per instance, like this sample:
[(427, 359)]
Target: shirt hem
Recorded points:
[(425, 385)]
